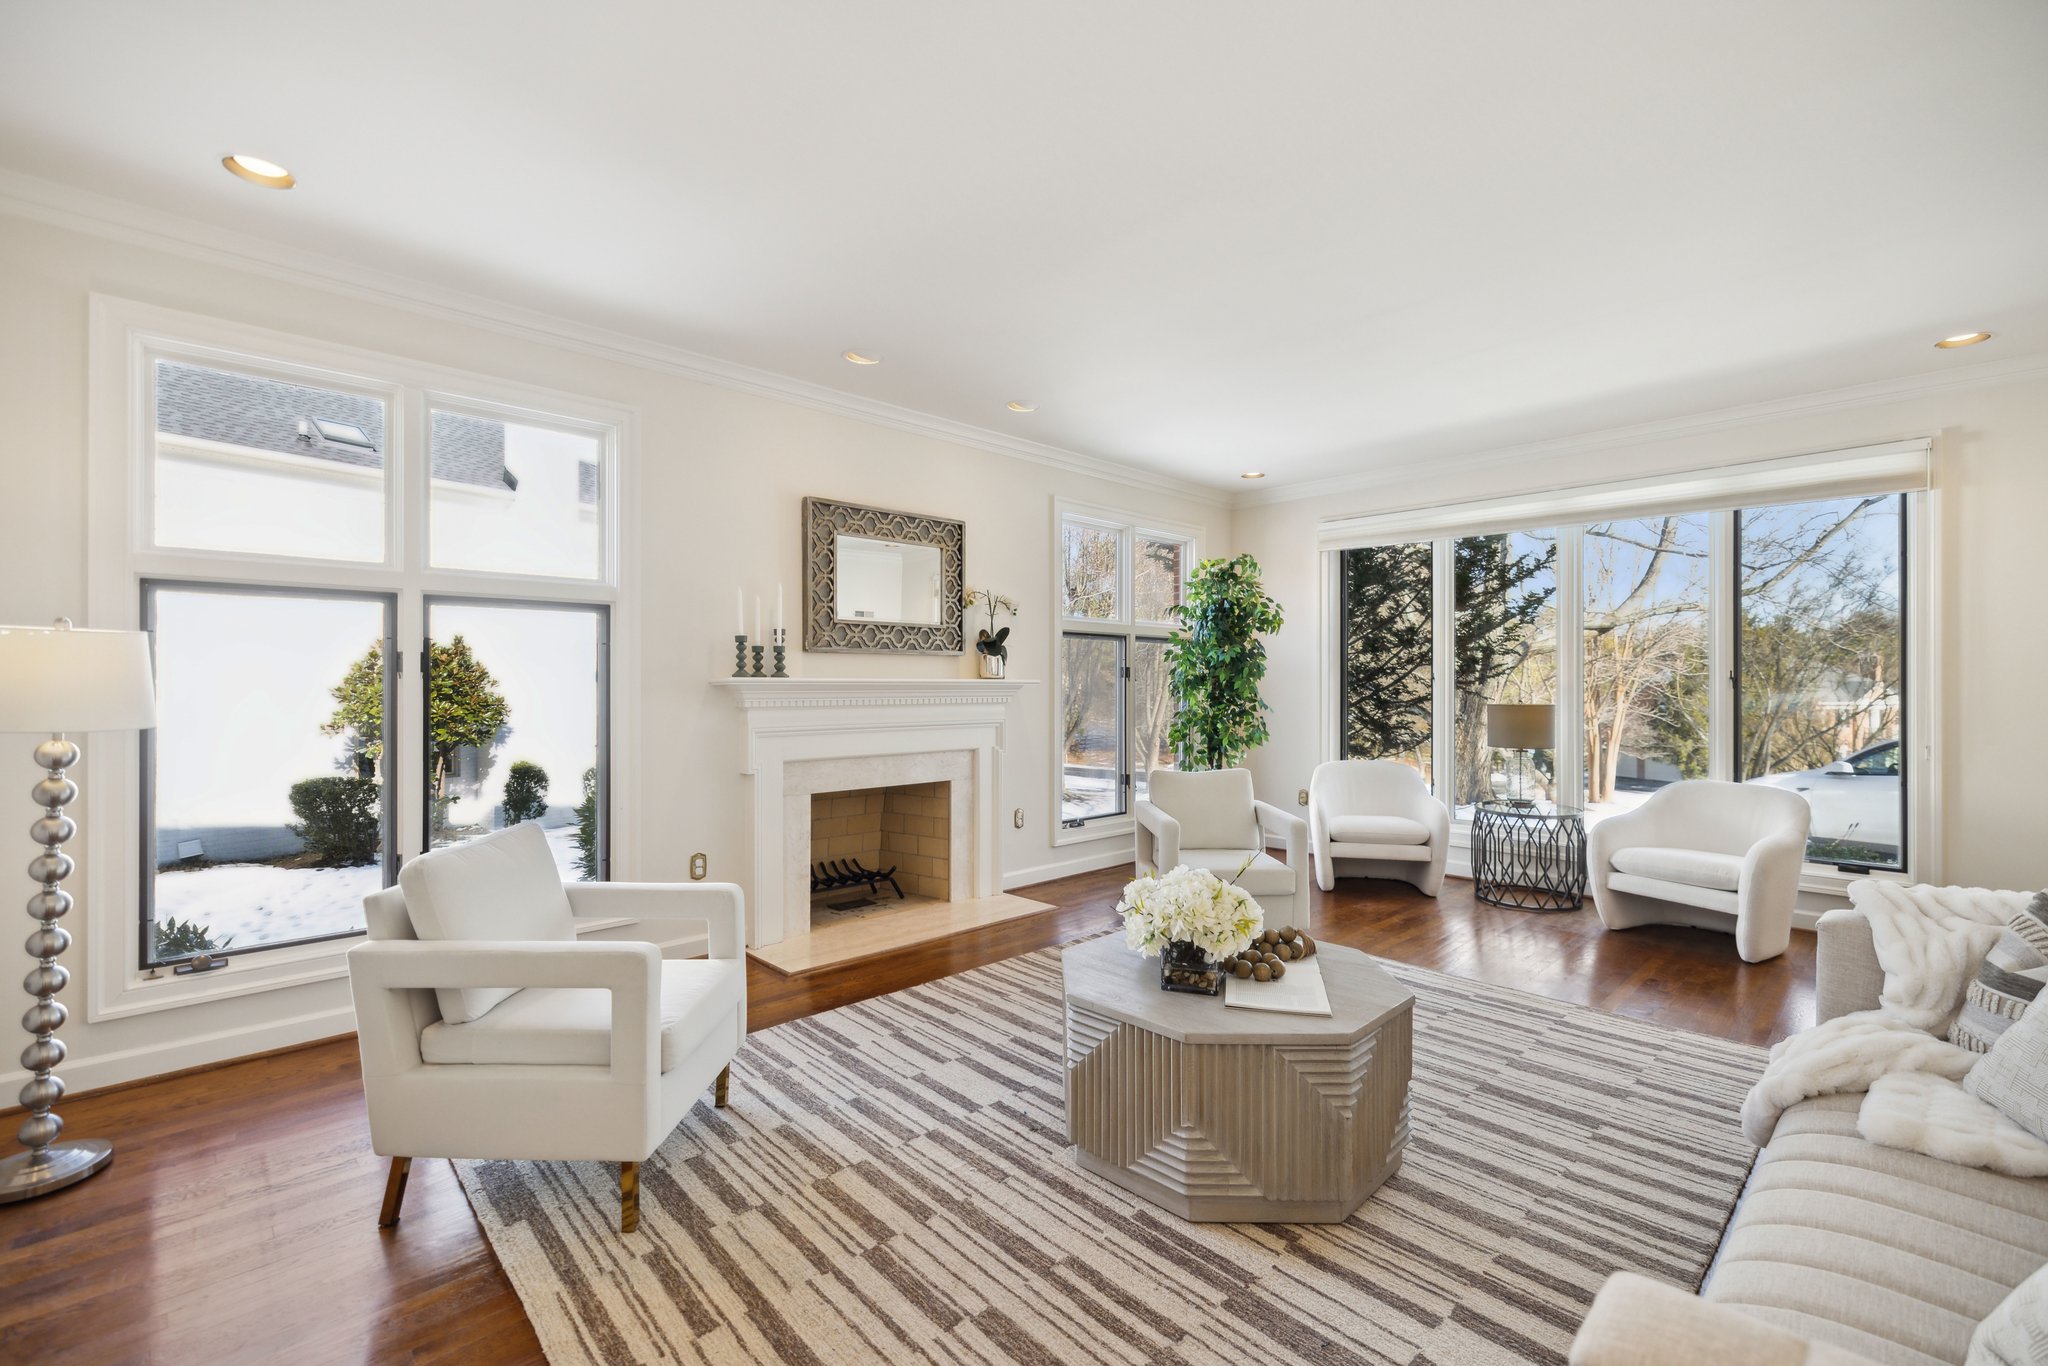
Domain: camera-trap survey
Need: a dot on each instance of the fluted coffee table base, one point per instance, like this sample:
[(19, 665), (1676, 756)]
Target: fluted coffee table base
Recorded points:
[(1222, 1115)]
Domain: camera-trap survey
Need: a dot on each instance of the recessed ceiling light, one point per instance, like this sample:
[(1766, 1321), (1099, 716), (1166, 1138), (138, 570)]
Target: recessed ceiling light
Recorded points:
[(1018, 405), (1254, 474), (1966, 339), (862, 357), (260, 172)]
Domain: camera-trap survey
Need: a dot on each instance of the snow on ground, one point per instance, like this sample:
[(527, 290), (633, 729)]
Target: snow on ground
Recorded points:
[(257, 903)]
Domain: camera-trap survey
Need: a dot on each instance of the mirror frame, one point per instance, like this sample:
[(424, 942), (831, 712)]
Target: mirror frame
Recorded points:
[(824, 522)]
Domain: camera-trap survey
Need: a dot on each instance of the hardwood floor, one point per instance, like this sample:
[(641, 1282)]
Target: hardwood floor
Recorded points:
[(238, 1220)]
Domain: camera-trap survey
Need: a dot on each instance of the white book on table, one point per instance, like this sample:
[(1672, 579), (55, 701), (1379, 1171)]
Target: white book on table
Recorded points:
[(1300, 992)]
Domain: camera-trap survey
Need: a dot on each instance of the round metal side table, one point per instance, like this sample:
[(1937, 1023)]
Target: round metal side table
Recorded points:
[(1532, 858)]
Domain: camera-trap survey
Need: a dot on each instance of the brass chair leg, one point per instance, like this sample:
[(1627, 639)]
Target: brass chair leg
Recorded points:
[(718, 1088), (629, 1196), (394, 1191)]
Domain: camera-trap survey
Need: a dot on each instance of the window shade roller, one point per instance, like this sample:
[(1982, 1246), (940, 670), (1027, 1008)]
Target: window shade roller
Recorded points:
[(1894, 467)]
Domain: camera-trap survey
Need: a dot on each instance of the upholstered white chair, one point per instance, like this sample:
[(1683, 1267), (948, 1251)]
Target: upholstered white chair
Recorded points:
[(1378, 818), (489, 1031), (1210, 819), (1719, 856)]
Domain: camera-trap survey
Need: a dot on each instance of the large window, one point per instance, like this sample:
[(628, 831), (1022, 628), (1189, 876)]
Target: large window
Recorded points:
[(1764, 644), (380, 615), (1119, 594)]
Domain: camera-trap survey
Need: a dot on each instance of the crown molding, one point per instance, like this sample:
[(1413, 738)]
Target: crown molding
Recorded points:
[(120, 220), (1979, 376)]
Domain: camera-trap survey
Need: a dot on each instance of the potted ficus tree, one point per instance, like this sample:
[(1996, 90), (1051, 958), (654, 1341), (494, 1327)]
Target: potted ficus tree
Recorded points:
[(1216, 661), (991, 643)]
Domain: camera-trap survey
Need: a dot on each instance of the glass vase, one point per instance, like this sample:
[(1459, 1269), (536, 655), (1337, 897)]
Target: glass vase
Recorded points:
[(1183, 967)]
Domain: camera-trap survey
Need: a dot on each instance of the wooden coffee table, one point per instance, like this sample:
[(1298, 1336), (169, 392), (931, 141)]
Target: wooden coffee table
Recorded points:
[(1236, 1116)]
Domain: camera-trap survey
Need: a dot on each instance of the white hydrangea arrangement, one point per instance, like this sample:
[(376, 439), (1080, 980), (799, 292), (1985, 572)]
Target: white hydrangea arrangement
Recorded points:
[(1192, 904)]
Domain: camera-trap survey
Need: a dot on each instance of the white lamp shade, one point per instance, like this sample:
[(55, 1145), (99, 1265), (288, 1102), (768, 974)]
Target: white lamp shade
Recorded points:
[(1520, 725), (55, 679)]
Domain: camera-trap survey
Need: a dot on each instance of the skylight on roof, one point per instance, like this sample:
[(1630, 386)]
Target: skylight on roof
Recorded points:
[(344, 434)]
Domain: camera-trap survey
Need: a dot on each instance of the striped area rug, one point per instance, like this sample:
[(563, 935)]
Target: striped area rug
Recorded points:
[(891, 1184)]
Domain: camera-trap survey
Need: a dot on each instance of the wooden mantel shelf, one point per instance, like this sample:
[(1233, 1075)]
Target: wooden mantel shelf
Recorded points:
[(751, 693)]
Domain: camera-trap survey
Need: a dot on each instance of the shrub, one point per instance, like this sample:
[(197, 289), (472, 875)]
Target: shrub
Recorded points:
[(526, 792), (586, 828), (338, 818), (182, 940)]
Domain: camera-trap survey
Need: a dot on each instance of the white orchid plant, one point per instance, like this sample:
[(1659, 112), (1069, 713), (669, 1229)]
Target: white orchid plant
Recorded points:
[(1192, 905)]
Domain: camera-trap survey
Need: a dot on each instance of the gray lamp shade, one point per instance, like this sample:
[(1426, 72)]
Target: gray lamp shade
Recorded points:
[(55, 679), (1521, 725)]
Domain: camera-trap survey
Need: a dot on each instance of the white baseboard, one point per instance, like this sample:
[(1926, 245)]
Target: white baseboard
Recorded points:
[(198, 1050), (1118, 854)]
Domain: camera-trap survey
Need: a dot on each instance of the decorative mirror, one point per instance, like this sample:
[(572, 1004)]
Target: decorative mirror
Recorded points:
[(881, 581)]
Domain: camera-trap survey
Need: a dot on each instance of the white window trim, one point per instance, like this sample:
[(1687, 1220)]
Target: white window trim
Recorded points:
[(1129, 526), (1904, 466), (120, 434)]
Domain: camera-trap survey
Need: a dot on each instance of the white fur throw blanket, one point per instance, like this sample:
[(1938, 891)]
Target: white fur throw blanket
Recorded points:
[(1929, 941)]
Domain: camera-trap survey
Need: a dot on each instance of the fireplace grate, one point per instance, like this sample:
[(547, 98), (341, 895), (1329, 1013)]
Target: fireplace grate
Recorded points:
[(836, 874)]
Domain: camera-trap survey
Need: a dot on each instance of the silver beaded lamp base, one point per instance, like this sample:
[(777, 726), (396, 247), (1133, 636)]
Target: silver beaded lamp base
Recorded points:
[(53, 1168)]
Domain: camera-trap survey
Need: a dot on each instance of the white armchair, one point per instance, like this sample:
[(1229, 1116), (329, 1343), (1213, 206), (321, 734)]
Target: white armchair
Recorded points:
[(1378, 816), (488, 1031), (1719, 856), (1210, 819)]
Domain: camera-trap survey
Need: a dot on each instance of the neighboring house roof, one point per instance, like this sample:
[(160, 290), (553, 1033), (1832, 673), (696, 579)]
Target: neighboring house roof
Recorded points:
[(265, 415)]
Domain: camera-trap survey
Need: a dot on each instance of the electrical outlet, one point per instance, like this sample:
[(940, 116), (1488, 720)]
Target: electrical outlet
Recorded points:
[(1301, 797), (1017, 818), (700, 867)]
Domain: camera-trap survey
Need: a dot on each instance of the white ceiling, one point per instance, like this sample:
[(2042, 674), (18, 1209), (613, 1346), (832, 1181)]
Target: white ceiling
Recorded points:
[(1313, 239)]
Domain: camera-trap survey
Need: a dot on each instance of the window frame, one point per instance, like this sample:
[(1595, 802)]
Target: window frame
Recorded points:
[(1921, 631), (1129, 528), (126, 337)]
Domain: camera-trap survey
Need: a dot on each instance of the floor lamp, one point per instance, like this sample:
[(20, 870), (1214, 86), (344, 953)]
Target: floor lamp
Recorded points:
[(1521, 726), (54, 679)]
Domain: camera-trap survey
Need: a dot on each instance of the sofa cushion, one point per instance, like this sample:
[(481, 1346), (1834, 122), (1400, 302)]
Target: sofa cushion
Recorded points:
[(571, 1026), (1892, 1254), (1692, 867), (2013, 1076), (2007, 981), (1214, 808), (1685, 893), (2016, 1333), (1267, 875), (1376, 830), (504, 886)]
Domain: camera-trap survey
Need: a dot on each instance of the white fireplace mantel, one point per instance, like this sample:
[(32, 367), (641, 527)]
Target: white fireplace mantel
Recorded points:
[(804, 732)]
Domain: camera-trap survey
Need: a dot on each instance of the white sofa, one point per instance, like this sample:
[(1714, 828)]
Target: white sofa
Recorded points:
[(488, 1030), (1378, 817), (1210, 819), (1719, 856)]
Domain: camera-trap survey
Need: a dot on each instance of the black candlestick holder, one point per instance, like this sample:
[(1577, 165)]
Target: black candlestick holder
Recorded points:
[(759, 650), (780, 637), (739, 656)]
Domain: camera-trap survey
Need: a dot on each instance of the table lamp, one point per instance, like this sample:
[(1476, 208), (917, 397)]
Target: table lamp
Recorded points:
[(1521, 726), (54, 679)]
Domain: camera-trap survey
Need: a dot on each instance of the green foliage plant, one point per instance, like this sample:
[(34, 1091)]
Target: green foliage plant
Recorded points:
[(1216, 661)]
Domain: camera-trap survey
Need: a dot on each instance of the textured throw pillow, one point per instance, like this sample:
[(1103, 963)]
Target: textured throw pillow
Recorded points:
[(2013, 1077), (2015, 1333), (2011, 977)]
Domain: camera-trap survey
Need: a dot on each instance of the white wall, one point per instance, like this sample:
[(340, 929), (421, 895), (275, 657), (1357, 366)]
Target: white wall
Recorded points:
[(721, 478), (1991, 493)]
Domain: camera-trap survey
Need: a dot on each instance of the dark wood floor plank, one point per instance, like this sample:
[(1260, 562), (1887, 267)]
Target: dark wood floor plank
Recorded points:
[(238, 1220)]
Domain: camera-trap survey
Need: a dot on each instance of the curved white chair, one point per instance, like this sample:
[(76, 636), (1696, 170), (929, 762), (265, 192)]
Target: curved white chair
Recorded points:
[(1714, 855), (1378, 816), (488, 1031), (1210, 819)]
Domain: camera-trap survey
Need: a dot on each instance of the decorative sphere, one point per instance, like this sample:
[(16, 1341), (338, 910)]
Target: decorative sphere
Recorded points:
[(1241, 969), (1287, 931), (44, 1017), (51, 903), (52, 830), (42, 1054), (51, 866), (1279, 971), (39, 1131), (54, 791), (56, 755), (41, 1093), (47, 942), (1263, 973), (45, 979)]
